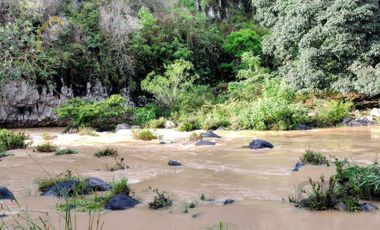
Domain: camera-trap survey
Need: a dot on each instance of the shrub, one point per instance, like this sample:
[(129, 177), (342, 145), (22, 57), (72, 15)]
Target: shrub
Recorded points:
[(144, 114), (241, 41), (108, 152), (160, 200), (102, 115), (118, 164), (65, 152), (11, 140), (195, 137), (189, 124), (321, 196), (46, 148), (314, 158), (331, 112), (157, 123), (87, 131), (145, 135)]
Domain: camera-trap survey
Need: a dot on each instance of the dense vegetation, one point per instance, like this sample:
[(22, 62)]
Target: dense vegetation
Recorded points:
[(283, 64)]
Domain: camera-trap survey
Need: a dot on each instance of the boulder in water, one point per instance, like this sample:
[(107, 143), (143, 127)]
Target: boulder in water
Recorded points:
[(174, 163), (260, 144), (6, 194), (121, 201), (203, 142), (97, 184), (298, 166), (357, 122), (368, 207), (61, 189), (302, 127), (210, 134), (228, 201)]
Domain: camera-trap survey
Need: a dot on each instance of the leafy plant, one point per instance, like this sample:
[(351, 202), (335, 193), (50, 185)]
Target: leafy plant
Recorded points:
[(314, 158), (107, 152), (160, 200), (332, 112), (87, 131), (11, 140), (195, 137)]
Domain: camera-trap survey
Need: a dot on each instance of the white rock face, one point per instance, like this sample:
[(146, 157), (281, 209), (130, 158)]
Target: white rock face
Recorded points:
[(375, 112), (23, 105), (170, 125)]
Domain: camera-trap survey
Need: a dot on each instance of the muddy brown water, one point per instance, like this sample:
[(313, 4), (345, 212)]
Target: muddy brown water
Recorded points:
[(259, 181)]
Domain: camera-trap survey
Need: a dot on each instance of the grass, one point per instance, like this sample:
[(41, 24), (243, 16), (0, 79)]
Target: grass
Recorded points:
[(314, 158), (95, 202), (66, 152), (5, 154), (45, 183), (156, 123), (118, 164), (11, 140), (107, 152), (160, 201), (145, 135), (46, 148), (195, 137), (87, 131)]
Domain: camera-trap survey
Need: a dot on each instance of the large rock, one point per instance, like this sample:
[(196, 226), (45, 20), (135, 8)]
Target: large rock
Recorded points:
[(210, 134), (174, 163), (302, 127), (61, 189), (121, 202), (170, 125), (97, 184), (260, 144), (6, 194), (368, 207), (122, 127), (357, 122)]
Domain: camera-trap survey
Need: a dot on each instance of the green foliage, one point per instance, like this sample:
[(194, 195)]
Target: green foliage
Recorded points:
[(107, 152), (144, 114), (10, 140), (157, 123), (46, 148), (314, 158), (160, 201), (175, 81), (189, 124), (323, 45), (331, 112), (195, 137), (104, 115), (61, 152), (145, 135), (241, 41)]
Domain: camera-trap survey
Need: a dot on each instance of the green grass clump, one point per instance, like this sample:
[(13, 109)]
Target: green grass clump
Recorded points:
[(46, 148), (65, 152), (145, 135), (11, 140), (188, 125), (45, 183), (314, 158), (87, 131), (5, 154), (331, 112), (161, 200), (107, 152)]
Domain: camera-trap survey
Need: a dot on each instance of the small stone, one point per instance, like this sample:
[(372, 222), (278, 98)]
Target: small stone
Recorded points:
[(228, 201), (174, 163), (298, 166), (203, 142)]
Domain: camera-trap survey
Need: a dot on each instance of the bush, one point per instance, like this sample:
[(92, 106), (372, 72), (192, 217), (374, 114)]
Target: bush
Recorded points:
[(331, 112), (46, 148), (242, 41), (161, 200), (145, 135), (87, 131), (195, 137), (102, 115), (189, 124), (314, 158), (66, 152), (108, 152), (144, 114), (157, 123), (11, 140)]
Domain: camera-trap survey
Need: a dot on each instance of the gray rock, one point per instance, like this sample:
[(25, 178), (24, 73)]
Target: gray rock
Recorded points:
[(170, 125), (260, 144), (203, 142), (210, 134), (6, 194), (61, 189), (368, 207), (229, 201), (121, 202), (357, 122), (97, 184), (302, 127), (174, 163), (122, 127), (298, 166), (340, 206)]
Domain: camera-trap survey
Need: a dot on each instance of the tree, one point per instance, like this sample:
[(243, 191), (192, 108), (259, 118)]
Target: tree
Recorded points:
[(324, 45), (168, 88)]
